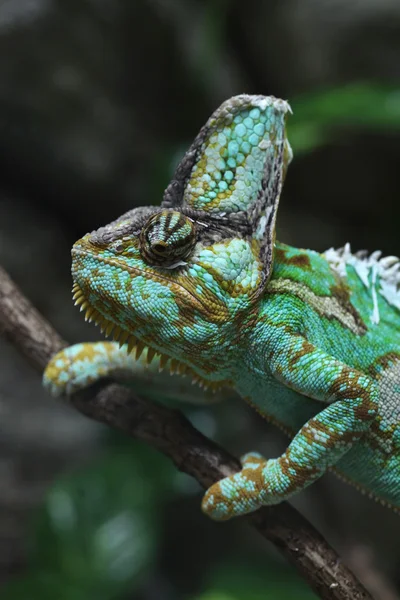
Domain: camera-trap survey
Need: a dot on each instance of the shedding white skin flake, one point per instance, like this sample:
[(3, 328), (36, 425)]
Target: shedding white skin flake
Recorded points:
[(180, 263), (263, 102), (259, 235), (375, 311), (379, 275)]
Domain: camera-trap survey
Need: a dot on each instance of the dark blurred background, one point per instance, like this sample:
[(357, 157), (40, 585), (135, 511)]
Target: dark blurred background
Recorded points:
[(98, 100)]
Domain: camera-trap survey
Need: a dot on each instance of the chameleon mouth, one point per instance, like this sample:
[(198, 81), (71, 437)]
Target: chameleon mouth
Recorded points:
[(138, 347)]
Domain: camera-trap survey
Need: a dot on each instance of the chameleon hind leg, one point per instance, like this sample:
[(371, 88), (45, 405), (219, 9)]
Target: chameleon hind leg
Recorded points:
[(81, 365), (352, 404)]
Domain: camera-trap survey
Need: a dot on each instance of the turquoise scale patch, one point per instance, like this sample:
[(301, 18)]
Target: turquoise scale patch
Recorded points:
[(234, 154)]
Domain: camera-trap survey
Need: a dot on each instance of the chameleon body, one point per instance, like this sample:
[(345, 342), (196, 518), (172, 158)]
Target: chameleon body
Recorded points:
[(311, 341)]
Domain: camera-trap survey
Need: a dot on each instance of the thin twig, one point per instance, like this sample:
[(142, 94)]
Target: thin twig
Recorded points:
[(171, 433)]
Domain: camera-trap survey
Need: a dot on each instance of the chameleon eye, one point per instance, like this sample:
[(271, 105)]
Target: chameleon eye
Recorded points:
[(167, 238), (159, 248)]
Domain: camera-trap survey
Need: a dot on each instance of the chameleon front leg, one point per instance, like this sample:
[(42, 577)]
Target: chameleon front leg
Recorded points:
[(81, 365), (352, 404)]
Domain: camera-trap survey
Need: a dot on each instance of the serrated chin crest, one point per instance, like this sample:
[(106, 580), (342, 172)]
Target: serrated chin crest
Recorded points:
[(137, 347)]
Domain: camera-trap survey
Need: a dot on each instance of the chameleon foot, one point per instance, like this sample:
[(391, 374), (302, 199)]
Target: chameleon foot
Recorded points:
[(77, 367), (238, 494)]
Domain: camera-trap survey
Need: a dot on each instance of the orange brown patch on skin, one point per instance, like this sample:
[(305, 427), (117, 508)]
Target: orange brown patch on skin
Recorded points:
[(354, 391), (342, 293), (256, 477), (244, 322), (87, 353), (303, 473), (187, 317), (375, 436), (254, 460), (299, 260), (306, 348), (212, 308), (219, 498), (345, 436), (96, 272), (382, 363)]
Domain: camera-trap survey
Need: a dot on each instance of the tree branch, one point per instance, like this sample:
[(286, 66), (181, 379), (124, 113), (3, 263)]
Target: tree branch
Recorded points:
[(171, 433)]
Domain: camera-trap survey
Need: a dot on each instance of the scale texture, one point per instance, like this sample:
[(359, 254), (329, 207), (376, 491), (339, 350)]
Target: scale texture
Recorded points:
[(201, 286)]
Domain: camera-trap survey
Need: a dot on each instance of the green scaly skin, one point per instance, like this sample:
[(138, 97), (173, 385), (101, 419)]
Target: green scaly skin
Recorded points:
[(311, 340)]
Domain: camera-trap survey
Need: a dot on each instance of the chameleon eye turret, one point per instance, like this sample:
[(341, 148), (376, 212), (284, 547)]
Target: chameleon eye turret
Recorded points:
[(167, 238)]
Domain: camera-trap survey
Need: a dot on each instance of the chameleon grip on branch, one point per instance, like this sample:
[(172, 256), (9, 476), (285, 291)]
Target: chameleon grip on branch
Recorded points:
[(311, 341)]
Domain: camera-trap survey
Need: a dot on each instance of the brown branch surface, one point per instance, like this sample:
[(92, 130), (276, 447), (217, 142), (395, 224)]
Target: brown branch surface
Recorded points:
[(171, 433)]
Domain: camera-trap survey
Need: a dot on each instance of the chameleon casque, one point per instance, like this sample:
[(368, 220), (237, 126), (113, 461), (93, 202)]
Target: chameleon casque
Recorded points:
[(311, 341)]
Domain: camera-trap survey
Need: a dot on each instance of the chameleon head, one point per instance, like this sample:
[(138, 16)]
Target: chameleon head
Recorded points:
[(177, 278)]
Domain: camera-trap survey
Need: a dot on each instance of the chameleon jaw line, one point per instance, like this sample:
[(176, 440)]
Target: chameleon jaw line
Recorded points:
[(133, 345)]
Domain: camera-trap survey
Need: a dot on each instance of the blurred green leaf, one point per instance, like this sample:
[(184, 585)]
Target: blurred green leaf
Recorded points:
[(319, 116), (238, 581), (97, 534), (216, 596), (43, 586), (214, 33)]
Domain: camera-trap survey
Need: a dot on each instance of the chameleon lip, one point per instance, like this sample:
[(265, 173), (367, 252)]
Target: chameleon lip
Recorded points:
[(109, 261)]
